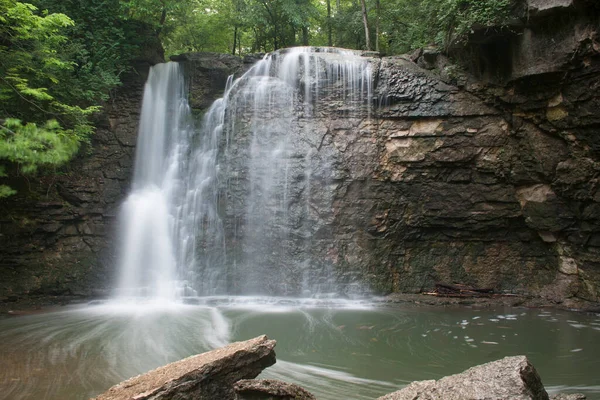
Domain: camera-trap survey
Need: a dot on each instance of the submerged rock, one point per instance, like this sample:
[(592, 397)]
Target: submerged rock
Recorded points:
[(270, 389), (509, 378), (209, 375)]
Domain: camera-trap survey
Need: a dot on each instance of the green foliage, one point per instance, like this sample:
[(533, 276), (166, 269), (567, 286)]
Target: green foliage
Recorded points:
[(264, 25), (410, 24), (456, 18), (59, 59), (31, 145), (101, 46), (207, 26), (35, 83), (214, 25)]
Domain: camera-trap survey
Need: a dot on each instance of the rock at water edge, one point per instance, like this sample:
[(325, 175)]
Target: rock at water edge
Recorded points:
[(270, 389), (509, 378), (205, 376)]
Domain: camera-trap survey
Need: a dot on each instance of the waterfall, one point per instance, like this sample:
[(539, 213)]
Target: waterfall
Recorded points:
[(234, 207), (281, 180), (148, 260)]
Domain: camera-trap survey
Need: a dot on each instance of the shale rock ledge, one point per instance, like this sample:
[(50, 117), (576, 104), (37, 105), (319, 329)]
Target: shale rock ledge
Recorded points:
[(509, 378), (205, 376)]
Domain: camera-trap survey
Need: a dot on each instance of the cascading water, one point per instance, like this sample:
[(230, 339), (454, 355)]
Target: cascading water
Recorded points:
[(280, 180), (233, 209), (148, 262)]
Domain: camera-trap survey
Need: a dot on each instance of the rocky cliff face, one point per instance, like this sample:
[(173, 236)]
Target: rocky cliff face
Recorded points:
[(486, 178), (489, 180), (57, 231), (493, 178)]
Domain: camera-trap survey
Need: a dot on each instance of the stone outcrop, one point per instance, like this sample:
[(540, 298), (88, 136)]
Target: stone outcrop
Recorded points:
[(565, 396), (206, 376), (270, 389), (208, 73), (508, 378)]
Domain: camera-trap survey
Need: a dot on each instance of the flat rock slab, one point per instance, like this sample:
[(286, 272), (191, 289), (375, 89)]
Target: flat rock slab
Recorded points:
[(205, 376), (270, 389), (509, 378), (564, 396)]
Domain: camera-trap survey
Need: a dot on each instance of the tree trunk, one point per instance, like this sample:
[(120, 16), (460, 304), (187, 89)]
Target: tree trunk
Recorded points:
[(366, 24), (163, 17), (235, 39), (329, 28), (274, 23), (305, 36), (378, 8)]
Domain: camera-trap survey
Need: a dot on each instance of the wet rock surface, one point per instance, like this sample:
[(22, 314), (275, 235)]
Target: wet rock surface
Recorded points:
[(205, 376), (509, 378), (489, 181), (208, 73), (269, 389)]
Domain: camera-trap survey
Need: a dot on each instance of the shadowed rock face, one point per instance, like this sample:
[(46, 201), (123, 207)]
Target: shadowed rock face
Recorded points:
[(509, 378), (57, 234)]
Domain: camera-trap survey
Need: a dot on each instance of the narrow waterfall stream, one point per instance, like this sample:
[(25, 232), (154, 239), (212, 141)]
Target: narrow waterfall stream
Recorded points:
[(148, 262)]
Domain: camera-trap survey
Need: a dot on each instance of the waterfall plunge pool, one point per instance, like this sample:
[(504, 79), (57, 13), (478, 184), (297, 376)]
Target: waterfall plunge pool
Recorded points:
[(335, 349)]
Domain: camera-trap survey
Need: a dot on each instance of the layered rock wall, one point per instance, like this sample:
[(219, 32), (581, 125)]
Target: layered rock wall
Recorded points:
[(491, 184), (486, 178), (57, 232)]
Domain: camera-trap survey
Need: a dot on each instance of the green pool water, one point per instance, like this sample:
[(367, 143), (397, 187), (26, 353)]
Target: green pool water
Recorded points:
[(335, 349)]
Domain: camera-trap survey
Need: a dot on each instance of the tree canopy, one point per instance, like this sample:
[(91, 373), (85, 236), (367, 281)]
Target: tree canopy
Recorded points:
[(247, 26)]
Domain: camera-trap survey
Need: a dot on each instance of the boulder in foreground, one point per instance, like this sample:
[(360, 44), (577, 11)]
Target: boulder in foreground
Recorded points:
[(509, 378), (205, 376)]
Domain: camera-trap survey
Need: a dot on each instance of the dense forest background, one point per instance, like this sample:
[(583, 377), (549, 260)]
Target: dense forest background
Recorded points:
[(60, 59)]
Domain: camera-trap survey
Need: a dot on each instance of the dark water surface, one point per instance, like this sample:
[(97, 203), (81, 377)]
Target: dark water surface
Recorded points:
[(335, 349)]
